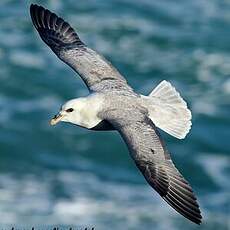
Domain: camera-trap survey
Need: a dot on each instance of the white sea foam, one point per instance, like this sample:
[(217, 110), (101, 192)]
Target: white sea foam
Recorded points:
[(30, 195), (215, 166), (226, 86), (91, 200), (204, 107), (27, 59)]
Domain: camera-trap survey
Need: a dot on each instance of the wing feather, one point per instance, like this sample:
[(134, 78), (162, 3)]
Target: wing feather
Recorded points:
[(151, 157), (97, 73)]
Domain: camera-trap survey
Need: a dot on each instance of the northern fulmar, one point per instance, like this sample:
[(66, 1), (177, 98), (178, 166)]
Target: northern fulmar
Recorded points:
[(113, 105)]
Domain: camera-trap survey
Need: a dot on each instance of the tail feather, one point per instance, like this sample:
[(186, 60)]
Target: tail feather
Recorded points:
[(169, 111), (168, 93)]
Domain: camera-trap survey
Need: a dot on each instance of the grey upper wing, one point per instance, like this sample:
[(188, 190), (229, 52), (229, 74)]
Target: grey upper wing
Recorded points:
[(151, 157), (97, 73)]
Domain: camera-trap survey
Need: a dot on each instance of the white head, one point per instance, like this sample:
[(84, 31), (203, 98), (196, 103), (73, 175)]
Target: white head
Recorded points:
[(80, 111)]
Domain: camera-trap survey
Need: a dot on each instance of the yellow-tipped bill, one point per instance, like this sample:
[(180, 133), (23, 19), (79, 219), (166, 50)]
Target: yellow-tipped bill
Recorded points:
[(56, 119)]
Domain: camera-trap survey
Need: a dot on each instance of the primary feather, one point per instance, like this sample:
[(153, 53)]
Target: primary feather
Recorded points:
[(97, 73)]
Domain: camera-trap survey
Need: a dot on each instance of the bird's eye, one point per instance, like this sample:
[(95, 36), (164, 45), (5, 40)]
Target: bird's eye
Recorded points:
[(69, 110)]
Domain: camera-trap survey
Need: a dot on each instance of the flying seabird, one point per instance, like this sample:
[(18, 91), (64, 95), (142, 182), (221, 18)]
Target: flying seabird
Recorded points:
[(113, 105)]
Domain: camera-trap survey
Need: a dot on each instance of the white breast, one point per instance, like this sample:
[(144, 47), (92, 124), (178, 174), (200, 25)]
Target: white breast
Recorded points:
[(88, 109)]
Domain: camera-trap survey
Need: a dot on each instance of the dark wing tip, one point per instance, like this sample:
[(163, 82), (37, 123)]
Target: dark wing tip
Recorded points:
[(173, 188), (54, 31), (190, 210), (181, 196)]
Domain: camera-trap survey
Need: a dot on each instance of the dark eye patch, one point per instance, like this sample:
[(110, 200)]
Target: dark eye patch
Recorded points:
[(69, 110)]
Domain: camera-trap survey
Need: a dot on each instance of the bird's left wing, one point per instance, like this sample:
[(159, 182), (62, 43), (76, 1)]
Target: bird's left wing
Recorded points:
[(151, 157), (97, 73)]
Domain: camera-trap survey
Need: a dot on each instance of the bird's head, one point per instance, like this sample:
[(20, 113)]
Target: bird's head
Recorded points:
[(71, 112), (80, 111)]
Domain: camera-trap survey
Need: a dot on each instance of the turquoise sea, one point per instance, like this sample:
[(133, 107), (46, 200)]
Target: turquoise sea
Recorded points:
[(67, 176)]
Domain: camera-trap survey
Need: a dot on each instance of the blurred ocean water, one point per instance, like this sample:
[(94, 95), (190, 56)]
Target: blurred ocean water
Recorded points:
[(70, 176)]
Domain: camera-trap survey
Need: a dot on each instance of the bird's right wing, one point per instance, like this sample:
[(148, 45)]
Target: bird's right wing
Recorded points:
[(151, 157), (97, 73)]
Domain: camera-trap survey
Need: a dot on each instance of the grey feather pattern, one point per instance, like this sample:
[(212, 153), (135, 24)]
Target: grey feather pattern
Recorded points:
[(147, 151), (97, 73), (151, 157)]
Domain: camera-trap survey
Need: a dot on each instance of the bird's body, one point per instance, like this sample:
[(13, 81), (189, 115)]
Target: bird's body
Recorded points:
[(113, 105)]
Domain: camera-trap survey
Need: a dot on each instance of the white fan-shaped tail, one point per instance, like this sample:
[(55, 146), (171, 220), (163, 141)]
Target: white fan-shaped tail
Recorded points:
[(168, 110)]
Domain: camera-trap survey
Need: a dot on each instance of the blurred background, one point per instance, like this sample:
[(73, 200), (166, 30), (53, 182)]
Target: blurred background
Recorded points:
[(70, 176)]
